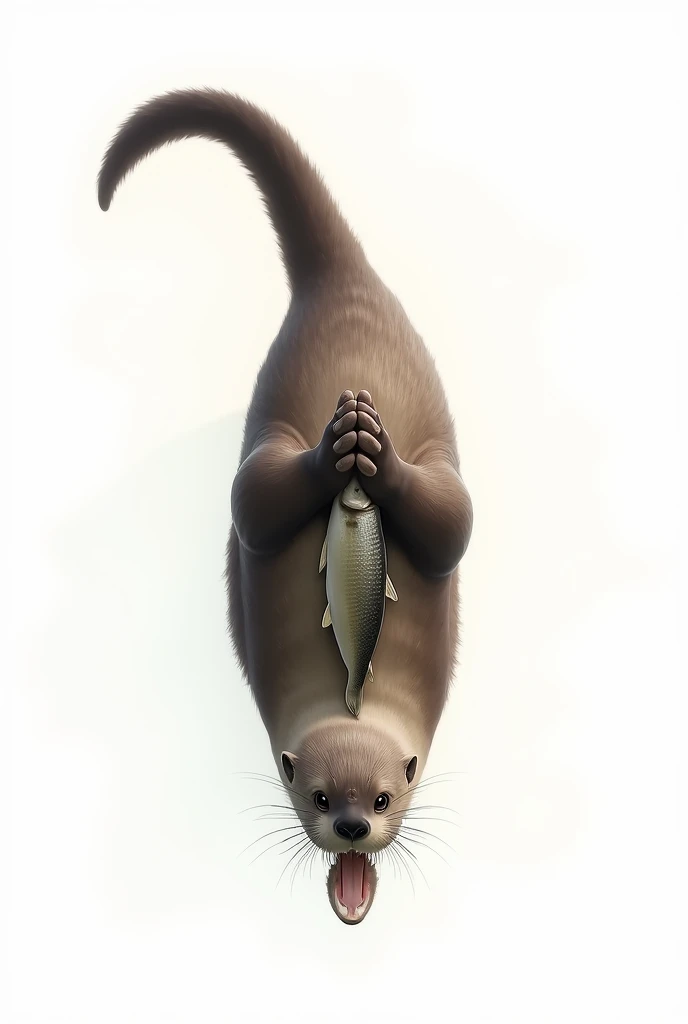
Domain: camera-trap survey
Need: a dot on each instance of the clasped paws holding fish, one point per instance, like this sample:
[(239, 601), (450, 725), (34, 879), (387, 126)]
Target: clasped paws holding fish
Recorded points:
[(361, 443)]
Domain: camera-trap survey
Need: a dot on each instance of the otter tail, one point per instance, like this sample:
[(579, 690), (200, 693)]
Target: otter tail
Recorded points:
[(312, 234)]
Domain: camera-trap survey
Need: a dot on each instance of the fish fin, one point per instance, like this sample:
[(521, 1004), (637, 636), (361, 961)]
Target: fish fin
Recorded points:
[(353, 700), (390, 591), (327, 618), (323, 555), (354, 694)]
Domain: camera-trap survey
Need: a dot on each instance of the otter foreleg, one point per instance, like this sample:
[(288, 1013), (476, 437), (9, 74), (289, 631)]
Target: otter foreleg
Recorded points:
[(281, 484)]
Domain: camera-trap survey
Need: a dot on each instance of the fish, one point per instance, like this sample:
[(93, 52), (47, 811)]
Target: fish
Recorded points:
[(357, 584)]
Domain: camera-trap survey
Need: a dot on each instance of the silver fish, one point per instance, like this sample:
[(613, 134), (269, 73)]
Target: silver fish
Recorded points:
[(357, 583)]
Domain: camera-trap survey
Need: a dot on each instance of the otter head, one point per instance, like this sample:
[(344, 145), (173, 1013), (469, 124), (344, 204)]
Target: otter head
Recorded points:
[(350, 784)]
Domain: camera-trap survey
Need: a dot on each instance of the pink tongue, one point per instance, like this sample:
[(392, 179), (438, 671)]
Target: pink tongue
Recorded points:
[(350, 890)]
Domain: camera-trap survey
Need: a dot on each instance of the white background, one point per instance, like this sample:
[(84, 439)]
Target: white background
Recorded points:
[(515, 177)]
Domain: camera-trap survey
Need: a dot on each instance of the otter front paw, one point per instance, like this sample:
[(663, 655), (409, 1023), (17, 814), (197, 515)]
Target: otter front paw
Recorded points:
[(376, 458), (335, 455)]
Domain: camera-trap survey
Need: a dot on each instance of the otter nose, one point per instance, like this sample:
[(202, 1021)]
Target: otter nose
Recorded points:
[(352, 829)]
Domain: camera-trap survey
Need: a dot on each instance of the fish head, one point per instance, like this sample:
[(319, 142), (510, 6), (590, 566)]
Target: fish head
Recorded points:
[(354, 497), (350, 784)]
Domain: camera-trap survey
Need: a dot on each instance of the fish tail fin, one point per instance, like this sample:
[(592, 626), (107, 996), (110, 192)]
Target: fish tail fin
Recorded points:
[(354, 698), (354, 692)]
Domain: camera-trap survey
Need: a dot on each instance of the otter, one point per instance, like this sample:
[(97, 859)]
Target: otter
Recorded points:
[(346, 387)]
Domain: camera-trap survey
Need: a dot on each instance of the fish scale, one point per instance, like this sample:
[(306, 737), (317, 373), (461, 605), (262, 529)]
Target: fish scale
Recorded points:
[(357, 583)]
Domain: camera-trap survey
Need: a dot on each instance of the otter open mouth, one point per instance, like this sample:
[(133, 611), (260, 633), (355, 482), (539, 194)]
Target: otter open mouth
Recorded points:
[(351, 886)]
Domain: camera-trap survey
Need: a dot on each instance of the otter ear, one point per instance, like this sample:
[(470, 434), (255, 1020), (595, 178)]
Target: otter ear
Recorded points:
[(289, 764), (411, 769)]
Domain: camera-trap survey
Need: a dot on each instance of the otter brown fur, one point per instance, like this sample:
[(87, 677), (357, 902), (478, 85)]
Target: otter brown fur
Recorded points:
[(347, 369)]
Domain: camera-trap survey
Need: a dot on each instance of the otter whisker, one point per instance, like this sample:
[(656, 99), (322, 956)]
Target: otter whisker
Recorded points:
[(434, 807), (425, 784), (293, 797), (257, 777), (388, 854), (277, 817), (260, 775), (298, 811), (258, 807), (301, 863), (398, 816), (433, 817), (399, 863), (439, 776), (290, 792), (311, 857), (422, 817), (294, 821), (416, 862), (412, 839), (280, 842), (279, 807), (426, 807), (393, 862), (301, 818), (402, 861), (284, 818), (310, 866), (306, 840), (308, 859), (288, 828), (431, 807), (431, 835), (287, 814), (298, 846)]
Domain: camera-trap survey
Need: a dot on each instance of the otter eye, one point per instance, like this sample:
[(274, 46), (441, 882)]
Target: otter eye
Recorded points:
[(381, 803), (321, 801)]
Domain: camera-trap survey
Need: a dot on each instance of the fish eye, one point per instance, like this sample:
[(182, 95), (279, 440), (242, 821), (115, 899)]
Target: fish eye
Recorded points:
[(321, 801), (381, 803)]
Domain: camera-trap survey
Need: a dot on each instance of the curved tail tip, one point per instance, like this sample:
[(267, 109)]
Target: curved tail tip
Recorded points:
[(103, 199)]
